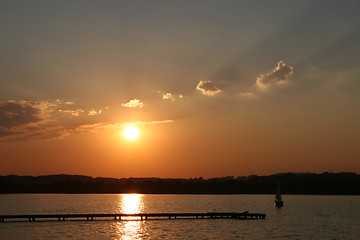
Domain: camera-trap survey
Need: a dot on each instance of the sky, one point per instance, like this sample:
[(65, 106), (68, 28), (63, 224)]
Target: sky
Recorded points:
[(215, 88)]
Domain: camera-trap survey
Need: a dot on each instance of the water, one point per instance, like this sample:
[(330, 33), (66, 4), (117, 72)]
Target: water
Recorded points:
[(302, 217)]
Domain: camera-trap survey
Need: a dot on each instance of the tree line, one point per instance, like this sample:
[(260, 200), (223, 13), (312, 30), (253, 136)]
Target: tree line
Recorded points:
[(291, 183)]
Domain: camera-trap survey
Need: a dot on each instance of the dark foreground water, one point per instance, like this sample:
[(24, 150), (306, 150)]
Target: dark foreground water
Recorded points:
[(302, 217)]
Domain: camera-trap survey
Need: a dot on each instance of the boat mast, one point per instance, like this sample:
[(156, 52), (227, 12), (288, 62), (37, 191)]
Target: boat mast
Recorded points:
[(278, 192)]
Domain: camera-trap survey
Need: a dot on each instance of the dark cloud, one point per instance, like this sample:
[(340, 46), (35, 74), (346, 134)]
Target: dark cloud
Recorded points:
[(279, 75), (208, 88), (14, 114), (31, 120), (28, 120)]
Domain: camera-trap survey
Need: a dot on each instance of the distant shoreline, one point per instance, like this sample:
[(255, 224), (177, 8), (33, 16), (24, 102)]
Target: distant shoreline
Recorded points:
[(292, 194), (291, 184)]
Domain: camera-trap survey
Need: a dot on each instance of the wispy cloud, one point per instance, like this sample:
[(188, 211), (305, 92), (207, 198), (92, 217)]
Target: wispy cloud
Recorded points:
[(75, 113), (96, 127), (279, 75), (246, 94), (139, 123), (208, 88), (133, 103)]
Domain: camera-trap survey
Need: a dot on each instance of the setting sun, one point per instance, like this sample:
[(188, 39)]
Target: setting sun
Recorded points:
[(131, 133)]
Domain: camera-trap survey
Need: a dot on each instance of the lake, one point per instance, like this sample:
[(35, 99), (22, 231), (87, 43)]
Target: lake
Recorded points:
[(302, 217)]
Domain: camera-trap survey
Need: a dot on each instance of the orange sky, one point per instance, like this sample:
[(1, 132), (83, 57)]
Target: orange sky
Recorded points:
[(256, 87)]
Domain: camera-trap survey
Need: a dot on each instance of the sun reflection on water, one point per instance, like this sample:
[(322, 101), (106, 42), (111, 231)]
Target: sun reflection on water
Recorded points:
[(130, 227), (131, 203)]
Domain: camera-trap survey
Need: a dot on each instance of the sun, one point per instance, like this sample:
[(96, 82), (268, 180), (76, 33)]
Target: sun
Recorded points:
[(131, 133)]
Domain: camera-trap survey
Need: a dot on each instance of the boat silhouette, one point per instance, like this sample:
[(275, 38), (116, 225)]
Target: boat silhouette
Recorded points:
[(278, 201)]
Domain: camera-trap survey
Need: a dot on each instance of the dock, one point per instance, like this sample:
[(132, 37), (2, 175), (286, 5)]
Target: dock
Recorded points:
[(135, 216)]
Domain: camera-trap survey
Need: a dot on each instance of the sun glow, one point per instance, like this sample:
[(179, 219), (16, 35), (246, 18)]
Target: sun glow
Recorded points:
[(131, 133)]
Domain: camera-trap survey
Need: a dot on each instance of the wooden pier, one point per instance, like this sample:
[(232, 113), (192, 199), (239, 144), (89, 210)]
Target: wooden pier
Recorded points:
[(135, 216)]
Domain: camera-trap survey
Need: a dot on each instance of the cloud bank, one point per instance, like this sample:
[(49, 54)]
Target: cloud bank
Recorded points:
[(21, 120), (24, 117), (43, 120)]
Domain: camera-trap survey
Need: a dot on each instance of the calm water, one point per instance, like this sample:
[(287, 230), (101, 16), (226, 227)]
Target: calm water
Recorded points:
[(302, 217)]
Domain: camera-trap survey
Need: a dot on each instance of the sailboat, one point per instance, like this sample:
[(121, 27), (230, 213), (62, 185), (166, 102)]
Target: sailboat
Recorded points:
[(278, 201)]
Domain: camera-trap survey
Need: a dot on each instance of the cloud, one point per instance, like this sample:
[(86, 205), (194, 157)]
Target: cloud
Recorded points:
[(40, 120), (208, 88), (26, 120), (14, 114), (34, 120), (133, 103), (139, 123), (93, 112), (278, 76), (96, 127), (92, 128), (20, 119), (75, 113), (170, 96)]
